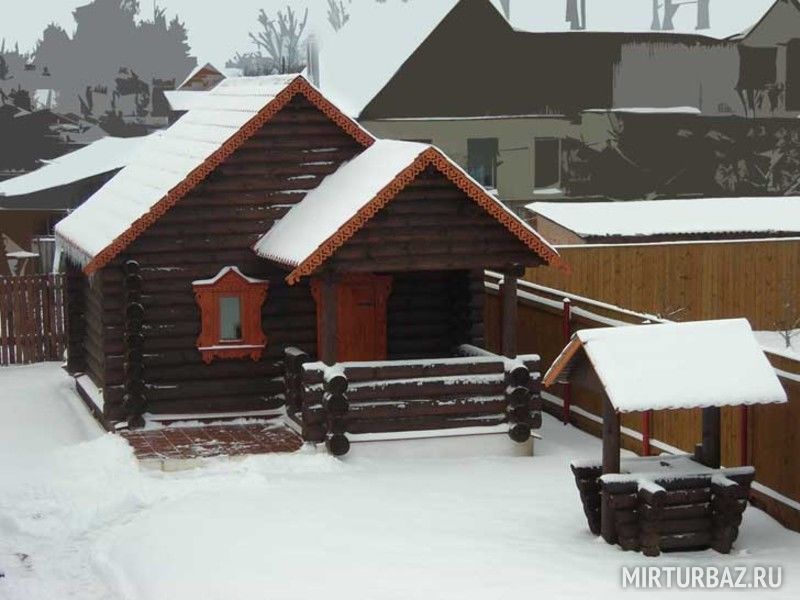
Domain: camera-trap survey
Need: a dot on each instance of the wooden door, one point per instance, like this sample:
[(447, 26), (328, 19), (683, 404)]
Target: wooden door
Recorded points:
[(361, 317)]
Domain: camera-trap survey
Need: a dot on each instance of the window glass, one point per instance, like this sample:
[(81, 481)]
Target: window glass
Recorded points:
[(547, 163), (482, 160), (230, 318)]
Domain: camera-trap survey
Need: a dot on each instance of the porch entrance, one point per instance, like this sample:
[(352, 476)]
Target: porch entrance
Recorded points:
[(361, 317)]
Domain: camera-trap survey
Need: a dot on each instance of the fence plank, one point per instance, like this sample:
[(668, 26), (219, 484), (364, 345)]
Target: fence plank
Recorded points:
[(32, 319)]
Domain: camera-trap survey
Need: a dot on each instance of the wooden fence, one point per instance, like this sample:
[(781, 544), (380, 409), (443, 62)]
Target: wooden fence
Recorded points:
[(693, 281), (32, 319), (766, 437)]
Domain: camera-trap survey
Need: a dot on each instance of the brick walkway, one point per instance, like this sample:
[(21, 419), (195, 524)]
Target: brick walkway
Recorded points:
[(212, 440)]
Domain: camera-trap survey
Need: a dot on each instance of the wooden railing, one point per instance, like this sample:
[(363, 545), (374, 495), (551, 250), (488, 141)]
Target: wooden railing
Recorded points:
[(32, 319), (763, 436), (476, 389)]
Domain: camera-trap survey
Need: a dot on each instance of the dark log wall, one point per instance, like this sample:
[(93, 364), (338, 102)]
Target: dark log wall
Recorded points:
[(431, 313), (431, 225), (213, 227)]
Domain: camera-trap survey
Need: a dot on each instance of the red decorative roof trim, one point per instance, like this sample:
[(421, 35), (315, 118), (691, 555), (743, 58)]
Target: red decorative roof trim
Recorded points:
[(297, 86), (470, 187)]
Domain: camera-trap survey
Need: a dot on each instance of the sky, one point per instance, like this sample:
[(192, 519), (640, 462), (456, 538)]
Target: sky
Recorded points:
[(214, 35)]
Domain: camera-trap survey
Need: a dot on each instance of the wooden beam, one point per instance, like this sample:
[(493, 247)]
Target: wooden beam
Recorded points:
[(330, 313), (710, 454), (610, 438), (508, 292)]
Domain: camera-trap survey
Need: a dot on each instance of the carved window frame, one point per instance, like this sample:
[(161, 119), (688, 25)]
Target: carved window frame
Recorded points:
[(231, 282)]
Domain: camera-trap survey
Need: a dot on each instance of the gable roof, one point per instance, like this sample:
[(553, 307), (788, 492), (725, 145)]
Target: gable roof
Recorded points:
[(713, 216), (393, 32), (170, 165), (346, 200), (675, 365), (103, 156), (200, 71)]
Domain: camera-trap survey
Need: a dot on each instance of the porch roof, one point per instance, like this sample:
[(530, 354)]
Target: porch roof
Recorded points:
[(346, 200), (674, 365)]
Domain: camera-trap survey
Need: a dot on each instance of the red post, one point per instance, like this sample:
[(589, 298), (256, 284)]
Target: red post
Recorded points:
[(646, 432), (744, 434), (566, 332)]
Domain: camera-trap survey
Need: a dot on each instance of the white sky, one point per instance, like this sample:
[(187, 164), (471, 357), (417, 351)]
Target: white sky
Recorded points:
[(215, 33)]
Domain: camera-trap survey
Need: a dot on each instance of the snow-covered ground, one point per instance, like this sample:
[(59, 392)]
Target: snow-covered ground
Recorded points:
[(80, 519), (776, 342)]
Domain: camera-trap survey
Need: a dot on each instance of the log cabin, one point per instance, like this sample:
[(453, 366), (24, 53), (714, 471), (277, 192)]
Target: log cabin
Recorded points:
[(266, 256)]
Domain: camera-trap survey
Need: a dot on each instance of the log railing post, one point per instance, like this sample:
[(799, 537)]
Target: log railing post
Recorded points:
[(508, 292), (135, 402), (518, 400), (293, 361), (336, 406)]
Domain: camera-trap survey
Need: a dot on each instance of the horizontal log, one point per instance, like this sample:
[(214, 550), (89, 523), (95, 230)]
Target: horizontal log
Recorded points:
[(211, 405), (356, 373), (680, 511), (464, 407), (487, 385), (685, 541), (674, 526), (417, 424), (214, 387)]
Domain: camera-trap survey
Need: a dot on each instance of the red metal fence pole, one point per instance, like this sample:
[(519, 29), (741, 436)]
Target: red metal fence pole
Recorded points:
[(744, 434), (646, 432), (566, 331)]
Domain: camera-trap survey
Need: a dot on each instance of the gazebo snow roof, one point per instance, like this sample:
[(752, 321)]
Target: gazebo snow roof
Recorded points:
[(674, 365), (345, 201)]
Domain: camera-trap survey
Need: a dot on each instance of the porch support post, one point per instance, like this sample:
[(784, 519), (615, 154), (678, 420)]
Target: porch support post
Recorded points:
[(710, 454), (608, 527), (509, 301), (610, 438), (330, 314)]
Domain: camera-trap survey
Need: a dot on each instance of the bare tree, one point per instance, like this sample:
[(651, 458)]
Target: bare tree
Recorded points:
[(337, 14), (788, 326), (280, 38)]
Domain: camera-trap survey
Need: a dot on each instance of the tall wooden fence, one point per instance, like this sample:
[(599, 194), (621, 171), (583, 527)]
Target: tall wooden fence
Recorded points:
[(694, 281), (32, 319), (768, 437)]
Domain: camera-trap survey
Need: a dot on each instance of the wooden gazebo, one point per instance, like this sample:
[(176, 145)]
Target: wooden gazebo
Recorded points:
[(676, 502)]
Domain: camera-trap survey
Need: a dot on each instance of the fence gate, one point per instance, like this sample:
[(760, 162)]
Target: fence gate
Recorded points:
[(32, 319)]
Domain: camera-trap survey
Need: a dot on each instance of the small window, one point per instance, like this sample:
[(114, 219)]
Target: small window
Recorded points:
[(547, 163), (230, 318), (482, 156), (757, 67), (230, 314)]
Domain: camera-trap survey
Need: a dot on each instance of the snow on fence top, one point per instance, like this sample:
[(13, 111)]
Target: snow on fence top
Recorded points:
[(675, 365), (674, 217), (171, 164), (103, 156)]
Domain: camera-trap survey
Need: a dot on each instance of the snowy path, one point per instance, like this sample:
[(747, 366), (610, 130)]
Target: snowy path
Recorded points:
[(93, 526)]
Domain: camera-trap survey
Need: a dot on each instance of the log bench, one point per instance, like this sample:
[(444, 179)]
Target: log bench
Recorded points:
[(664, 503)]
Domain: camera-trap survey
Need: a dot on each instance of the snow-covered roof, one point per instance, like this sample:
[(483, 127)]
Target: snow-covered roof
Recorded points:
[(761, 216), (184, 100), (676, 365), (340, 196), (335, 200), (103, 156), (207, 67), (352, 76), (170, 164)]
